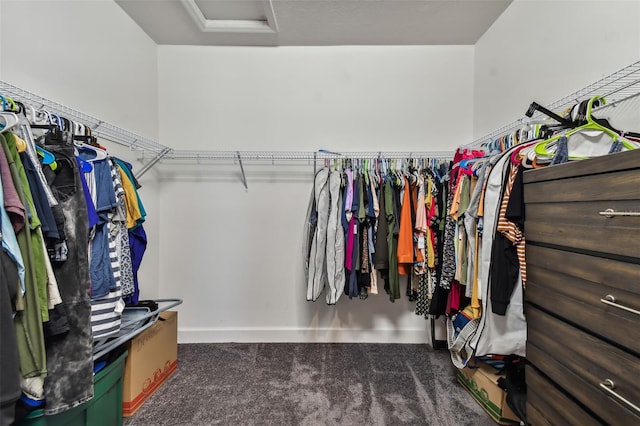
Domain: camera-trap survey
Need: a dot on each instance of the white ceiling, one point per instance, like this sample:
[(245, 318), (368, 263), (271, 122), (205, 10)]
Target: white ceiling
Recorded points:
[(314, 22)]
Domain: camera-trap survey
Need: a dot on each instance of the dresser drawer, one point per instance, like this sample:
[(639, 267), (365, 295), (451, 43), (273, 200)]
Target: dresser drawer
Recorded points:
[(550, 405), (535, 416), (580, 362), (572, 286), (580, 225), (619, 162), (615, 186)]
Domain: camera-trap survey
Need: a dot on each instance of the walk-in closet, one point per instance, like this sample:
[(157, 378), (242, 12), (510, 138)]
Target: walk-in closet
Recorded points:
[(319, 212)]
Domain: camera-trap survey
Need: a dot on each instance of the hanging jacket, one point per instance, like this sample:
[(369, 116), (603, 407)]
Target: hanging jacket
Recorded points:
[(317, 258), (310, 225), (335, 253)]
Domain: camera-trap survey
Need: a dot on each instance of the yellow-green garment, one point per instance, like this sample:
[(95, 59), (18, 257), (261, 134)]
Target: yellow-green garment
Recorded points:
[(130, 200), (30, 335)]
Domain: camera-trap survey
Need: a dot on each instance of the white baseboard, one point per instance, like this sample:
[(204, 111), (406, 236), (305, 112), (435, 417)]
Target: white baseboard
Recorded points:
[(301, 335)]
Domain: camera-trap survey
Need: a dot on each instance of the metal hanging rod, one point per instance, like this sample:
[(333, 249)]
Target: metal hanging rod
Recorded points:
[(98, 127), (309, 157), (270, 156), (616, 87), (154, 152)]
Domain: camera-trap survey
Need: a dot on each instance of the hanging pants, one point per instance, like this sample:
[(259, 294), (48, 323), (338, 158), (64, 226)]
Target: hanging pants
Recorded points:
[(9, 368), (70, 359)]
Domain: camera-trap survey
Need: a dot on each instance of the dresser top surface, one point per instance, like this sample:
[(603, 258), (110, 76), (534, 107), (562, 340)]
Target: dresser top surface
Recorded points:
[(609, 163)]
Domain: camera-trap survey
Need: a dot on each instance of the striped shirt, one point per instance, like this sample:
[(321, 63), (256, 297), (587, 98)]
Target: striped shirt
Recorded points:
[(509, 229)]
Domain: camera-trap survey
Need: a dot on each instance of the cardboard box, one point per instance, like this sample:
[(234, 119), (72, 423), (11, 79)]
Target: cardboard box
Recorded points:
[(153, 357), (481, 381)]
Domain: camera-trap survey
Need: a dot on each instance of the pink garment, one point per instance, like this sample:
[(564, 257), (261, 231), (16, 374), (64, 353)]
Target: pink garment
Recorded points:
[(12, 204), (348, 259), (453, 301)]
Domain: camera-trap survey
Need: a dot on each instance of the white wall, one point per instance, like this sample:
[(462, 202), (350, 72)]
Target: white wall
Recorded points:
[(89, 56), (543, 50), (235, 256)]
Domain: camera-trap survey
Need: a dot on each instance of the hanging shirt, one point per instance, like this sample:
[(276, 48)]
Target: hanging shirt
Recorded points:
[(348, 199), (91, 207), (405, 236), (134, 215), (132, 198), (382, 233), (502, 288), (25, 131), (123, 250), (48, 222), (393, 282), (11, 204)]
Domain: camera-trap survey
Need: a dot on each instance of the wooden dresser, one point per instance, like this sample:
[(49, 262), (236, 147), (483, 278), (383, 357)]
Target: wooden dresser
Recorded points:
[(583, 292)]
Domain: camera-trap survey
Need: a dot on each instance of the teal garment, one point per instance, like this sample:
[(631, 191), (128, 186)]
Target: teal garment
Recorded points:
[(392, 242), (28, 322)]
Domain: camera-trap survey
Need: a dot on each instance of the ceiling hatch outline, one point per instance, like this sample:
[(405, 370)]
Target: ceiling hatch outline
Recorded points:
[(253, 26)]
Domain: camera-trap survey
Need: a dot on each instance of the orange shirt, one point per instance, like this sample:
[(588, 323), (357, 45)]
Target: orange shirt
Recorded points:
[(405, 236)]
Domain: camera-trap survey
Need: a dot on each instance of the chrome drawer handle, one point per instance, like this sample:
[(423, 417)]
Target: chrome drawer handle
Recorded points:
[(610, 300), (612, 213), (608, 385)]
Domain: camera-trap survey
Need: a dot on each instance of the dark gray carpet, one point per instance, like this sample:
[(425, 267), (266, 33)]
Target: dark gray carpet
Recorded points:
[(311, 384)]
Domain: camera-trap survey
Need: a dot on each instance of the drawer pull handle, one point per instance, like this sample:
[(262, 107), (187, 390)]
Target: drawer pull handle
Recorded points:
[(609, 386), (612, 213), (610, 300)]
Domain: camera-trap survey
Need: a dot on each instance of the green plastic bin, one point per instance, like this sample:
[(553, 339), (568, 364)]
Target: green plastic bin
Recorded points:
[(104, 409)]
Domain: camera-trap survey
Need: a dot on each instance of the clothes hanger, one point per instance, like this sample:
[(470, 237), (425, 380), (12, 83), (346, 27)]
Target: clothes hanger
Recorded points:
[(517, 153), (85, 166), (30, 113), (8, 120), (98, 153), (47, 157), (12, 105), (546, 148), (537, 107), (21, 108)]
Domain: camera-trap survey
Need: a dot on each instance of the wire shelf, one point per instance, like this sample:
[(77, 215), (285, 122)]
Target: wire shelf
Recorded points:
[(616, 87), (256, 156), (98, 127)]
